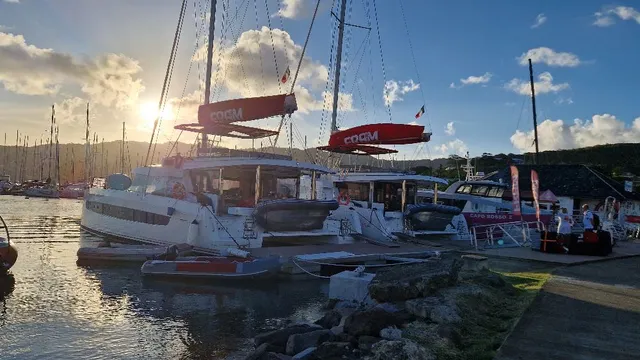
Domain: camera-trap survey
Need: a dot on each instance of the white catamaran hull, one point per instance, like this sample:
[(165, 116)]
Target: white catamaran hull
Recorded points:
[(149, 219)]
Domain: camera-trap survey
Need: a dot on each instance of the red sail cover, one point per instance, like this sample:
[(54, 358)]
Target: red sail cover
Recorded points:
[(535, 188), (385, 134), (229, 111), (515, 191)]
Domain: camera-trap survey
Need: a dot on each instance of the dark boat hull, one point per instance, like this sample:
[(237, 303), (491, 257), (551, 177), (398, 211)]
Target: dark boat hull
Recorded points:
[(8, 256), (430, 217), (293, 214)]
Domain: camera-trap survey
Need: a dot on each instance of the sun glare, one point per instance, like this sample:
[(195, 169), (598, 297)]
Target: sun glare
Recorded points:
[(149, 113)]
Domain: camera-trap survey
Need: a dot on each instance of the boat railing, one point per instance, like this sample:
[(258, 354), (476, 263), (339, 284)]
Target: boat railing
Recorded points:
[(507, 234)]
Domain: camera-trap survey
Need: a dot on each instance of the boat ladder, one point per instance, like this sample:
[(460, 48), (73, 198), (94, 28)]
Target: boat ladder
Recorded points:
[(249, 228)]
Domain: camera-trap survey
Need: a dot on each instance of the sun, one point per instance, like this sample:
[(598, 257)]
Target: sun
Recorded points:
[(149, 113)]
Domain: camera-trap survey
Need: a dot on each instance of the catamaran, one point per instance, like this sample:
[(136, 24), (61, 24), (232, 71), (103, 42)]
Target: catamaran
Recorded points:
[(221, 198)]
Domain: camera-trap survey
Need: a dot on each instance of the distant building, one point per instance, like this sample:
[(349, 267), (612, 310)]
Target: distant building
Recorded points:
[(573, 185)]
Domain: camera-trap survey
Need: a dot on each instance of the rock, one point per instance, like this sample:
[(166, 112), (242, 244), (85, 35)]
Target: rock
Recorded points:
[(330, 319), (388, 307), (337, 330), (391, 333), (475, 262), (365, 342), (369, 322), (274, 356), (434, 309), (305, 354), (280, 337), (299, 342), (275, 349), (399, 350), (414, 281), (450, 333), (258, 352), (334, 350), (494, 280)]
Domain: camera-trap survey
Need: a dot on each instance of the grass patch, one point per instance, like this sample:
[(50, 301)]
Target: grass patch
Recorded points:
[(488, 318)]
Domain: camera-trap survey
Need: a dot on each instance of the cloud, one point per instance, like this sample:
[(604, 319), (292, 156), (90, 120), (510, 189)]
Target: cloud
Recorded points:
[(70, 111), (457, 147), (540, 19), (393, 90), (449, 129), (472, 80), (544, 85), (108, 79), (12, 1), (601, 129), (548, 56), (295, 9), (246, 68), (561, 100), (607, 16)]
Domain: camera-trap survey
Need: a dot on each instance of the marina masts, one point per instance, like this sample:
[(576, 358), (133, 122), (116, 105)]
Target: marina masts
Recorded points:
[(535, 116), (87, 153), (53, 114), (122, 150)]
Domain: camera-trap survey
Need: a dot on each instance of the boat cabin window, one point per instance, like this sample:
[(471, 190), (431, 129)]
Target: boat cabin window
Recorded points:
[(239, 184), (390, 194), (496, 192), (464, 189), (356, 191), (480, 190)]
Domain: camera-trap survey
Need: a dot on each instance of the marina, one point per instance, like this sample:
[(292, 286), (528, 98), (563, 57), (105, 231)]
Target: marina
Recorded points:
[(201, 237)]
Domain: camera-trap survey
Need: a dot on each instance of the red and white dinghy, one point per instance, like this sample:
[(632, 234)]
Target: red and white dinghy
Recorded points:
[(212, 267)]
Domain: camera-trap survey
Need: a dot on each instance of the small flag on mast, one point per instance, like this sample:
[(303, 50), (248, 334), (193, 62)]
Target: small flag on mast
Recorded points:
[(286, 75), (420, 112)]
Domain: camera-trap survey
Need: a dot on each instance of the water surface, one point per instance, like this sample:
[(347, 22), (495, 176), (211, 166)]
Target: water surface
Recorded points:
[(58, 310)]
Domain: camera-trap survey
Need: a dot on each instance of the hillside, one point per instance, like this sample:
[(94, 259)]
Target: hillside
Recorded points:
[(615, 160)]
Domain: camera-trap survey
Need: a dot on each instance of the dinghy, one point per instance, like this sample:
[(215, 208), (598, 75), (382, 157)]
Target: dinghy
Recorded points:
[(213, 267)]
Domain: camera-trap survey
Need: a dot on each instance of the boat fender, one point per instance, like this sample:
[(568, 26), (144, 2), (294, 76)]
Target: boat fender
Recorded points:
[(237, 252), (178, 191), (344, 199), (192, 236)]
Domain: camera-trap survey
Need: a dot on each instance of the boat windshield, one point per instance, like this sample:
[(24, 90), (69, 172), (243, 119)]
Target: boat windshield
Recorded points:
[(238, 184)]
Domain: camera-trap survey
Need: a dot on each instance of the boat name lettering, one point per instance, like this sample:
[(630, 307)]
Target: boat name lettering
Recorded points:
[(362, 137), (489, 216), (227, 115)]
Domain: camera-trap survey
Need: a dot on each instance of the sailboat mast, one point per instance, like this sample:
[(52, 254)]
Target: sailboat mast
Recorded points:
[(122, 151), (336, 83), (86, 149), (57, 155), (4, 155), (53, 114), (73, 165), (207, 83), (102, 173), (535, 116), (41, 162), (16, 159)]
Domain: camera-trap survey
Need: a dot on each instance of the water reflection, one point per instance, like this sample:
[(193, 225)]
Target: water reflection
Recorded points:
[(57, 309)]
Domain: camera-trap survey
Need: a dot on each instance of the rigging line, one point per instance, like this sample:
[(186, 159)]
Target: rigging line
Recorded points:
[(166, 77), (323, 118), (365, 5), (273, 46), (413, 57), (520, 115), (255, 5), (233, 52), (295, 76), (161, 115), (184, 89), (355, 76), (384, 72), (198, 30)]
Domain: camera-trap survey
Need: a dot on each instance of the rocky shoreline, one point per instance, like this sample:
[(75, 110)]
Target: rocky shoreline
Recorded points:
[(433, 310)]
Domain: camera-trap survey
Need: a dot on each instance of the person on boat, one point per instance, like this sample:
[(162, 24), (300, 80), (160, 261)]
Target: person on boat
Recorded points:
[(565, 222)]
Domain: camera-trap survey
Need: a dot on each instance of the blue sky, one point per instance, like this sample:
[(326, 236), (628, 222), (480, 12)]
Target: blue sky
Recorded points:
[(583, 51)]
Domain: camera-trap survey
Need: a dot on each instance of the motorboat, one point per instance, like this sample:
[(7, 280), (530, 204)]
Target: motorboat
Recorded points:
[(243, 199), (73, 191), (8, 251)]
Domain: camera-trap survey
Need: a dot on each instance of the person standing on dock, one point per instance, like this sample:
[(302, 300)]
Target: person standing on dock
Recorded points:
[(587, 218), (565, 222)]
